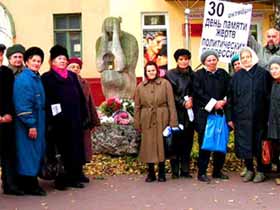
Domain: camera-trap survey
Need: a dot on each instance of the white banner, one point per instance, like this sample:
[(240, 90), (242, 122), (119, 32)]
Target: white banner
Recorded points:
[(226, 28)]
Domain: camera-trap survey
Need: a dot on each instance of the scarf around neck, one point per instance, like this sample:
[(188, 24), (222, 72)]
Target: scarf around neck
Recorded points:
[(61, 72)]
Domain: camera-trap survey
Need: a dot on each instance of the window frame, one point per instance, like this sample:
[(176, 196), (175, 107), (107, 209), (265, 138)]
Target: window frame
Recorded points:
[(68, 30)]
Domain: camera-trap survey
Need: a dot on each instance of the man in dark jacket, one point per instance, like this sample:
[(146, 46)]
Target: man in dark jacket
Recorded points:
[(181, 81), (7, 138)]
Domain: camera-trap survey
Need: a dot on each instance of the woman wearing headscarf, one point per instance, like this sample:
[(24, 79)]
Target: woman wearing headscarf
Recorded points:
[(248, 103), (75, 65), (66, 112), (154, 111), (181, 79), (29, 101), (209, 95), (273, 132)]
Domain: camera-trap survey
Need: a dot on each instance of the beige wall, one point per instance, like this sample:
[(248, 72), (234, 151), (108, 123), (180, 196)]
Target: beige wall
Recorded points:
[(34, 24)]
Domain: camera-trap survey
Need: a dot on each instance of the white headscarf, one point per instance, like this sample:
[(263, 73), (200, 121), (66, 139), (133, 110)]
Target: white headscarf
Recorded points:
[(255, 58)]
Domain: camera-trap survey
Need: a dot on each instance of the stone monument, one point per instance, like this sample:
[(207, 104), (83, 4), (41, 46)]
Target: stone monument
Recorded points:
[(116, 59)]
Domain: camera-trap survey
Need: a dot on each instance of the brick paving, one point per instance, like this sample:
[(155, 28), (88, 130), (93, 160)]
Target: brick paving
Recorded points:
[(132, 193)]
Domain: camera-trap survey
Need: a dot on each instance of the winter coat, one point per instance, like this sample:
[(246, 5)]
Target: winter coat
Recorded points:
[(248, 100), (29, 101), (274, 113), (7, 140), (207, 85), (154, 111), (65, 129), (93, 119), (181, 83)]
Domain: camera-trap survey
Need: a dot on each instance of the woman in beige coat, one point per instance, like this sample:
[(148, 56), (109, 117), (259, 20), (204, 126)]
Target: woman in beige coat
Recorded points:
[(154, 111)]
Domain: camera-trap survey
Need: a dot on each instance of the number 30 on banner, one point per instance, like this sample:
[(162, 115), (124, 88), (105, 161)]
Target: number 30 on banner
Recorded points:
[(216, 8)]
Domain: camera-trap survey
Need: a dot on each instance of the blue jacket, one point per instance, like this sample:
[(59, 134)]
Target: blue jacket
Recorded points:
[(29, 100)]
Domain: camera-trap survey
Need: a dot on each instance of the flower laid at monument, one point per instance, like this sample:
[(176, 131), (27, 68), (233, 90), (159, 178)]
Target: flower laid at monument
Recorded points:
[(115, 110)]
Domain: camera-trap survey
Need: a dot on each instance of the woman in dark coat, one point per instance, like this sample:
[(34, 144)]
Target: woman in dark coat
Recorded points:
[(75, 65), (7, 138), (181, 79), (210, 88), (154, 111), (274, 109), (29, 101), (248, 101), (66, 112)]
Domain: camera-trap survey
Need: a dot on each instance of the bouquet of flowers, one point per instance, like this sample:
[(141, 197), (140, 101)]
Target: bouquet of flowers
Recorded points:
[(110, 106), (115, 110)]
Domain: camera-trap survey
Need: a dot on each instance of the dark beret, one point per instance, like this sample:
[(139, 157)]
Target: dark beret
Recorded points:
[(16, 48), (2, 47), (33, 51), (58, 50), (181, 52)]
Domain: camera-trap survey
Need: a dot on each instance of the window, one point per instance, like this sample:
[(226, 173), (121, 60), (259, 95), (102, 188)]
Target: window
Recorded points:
[(154, 31), (68, 33)]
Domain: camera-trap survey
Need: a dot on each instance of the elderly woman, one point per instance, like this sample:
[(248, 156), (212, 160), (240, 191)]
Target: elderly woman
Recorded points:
[(235, 63), (210, 88), (248, 112), (181, 79), (29, 101), (154, 111), (75, 65), (274, 108), (66, 112)]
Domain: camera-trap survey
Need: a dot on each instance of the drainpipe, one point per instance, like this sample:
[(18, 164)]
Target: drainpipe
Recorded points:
[(187, 13)]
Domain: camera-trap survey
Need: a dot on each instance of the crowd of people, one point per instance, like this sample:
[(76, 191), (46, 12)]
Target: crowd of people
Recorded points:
[(43, 116), (248, 100)]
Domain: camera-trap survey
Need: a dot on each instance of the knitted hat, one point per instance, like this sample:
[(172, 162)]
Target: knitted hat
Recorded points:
[(33, 51), (76, 60), (207, 53), (58, 50), (2, 47), (234, 58), (274, 59), (182, 52), (16, 48)]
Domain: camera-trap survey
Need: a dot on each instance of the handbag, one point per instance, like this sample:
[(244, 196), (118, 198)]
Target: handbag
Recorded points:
[(216, 134), (266, 152), (168, 139), (52, 167)]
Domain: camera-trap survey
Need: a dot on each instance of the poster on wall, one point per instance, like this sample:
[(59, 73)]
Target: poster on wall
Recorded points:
[(155, 48), (6, 35), (226, 27)]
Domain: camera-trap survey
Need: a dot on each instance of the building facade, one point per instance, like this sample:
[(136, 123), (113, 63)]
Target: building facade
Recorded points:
[(158, 25)]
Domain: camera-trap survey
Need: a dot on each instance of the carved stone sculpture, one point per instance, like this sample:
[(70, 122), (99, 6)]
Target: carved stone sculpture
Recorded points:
[(116, 58)]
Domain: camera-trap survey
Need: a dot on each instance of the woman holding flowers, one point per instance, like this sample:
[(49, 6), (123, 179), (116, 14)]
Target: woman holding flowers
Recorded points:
[(154, 111)]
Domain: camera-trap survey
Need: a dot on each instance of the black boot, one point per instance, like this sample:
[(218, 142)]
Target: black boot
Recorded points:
[(161, 172), (31, 186), (175, 168), (151, 173)]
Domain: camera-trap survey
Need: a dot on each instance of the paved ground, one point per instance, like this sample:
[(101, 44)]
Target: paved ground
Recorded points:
[(132, 193)]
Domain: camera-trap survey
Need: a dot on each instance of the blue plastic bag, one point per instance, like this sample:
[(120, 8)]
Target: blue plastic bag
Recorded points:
[(216, 134)]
